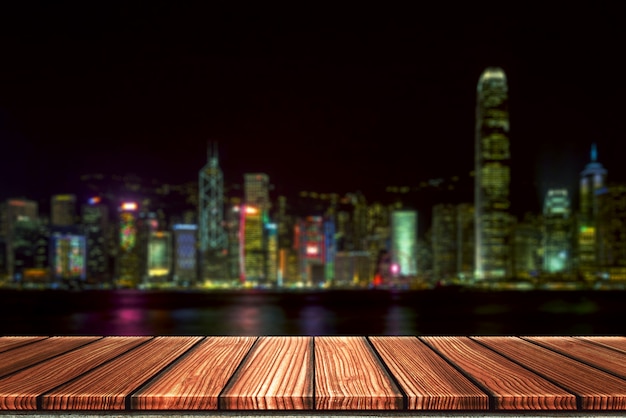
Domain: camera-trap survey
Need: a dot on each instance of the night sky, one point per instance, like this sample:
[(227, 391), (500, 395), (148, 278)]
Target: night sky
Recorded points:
[(321, 97)]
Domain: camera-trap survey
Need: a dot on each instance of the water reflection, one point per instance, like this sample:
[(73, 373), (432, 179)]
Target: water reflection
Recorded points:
[(323, 313), (400, 320), (316, 320)]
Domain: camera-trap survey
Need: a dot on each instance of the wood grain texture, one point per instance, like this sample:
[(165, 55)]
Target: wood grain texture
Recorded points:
[(512, 386), (24, 356), (617, 343), (598, 356), (277, 374), (8, 343), (106, 387), (598, 390), (197, 379), (427, 379), (19, 391), (349, 376)]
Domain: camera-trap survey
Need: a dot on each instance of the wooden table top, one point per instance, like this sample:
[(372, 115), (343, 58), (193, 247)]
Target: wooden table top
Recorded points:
[(349, 373)]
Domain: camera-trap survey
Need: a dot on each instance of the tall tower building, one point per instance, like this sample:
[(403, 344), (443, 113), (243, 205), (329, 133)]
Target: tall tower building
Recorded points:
[(213, 239), (211, 203), (16, 215), (95, 221), (129, 251), (253, 235), (556, 232), (492, 176), (592, 183), (444, 241), (257, 191), (611, 233), (592, 180), (404, 242)]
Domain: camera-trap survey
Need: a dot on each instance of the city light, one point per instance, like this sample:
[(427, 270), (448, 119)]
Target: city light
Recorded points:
[(129, 206)]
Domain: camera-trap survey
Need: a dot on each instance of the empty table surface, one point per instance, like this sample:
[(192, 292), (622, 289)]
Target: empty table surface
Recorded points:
[(306, 373)]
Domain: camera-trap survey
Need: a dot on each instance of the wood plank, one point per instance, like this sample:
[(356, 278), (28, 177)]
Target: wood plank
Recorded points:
[(512, 387), (19, 391), (617, 343), (427, 379), (598, 390), (197, 379), (277, 374), (8, 343), (598, 356), (24, 356), (348, 375), (106, 387)]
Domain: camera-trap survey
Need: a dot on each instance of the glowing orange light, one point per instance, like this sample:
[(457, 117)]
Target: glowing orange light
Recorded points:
[(129, 206), (251, 210)]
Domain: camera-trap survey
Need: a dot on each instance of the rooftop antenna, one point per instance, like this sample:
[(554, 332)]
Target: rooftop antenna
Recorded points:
[(594, 152)]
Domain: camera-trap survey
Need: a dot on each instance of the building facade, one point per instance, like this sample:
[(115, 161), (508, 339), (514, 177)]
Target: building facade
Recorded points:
[(492, 177), (213, 238), (592, 181)]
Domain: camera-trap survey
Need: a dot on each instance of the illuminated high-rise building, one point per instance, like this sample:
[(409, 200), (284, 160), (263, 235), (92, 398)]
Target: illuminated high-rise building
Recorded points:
[(253, 221), (557, 238), (213, 239), (96, 228), (63, 210), (611, 232), (404, 243), (492, 176), (13, 213), (311, 242), (444, 241), (233, 221), (185, 269), (252, 247), (271, 234), (129, 251), (211, 199), (69, 257), (592, 181), (257, 191), (159, 256)]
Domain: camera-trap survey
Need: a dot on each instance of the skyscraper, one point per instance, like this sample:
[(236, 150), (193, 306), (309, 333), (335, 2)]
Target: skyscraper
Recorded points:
[(95, 221), (404, 242), (556, 232), (256, 191), (492, 176), (212, 236), (592, 183), (13, 214), (211, 201), (592, 179), (444, 241)]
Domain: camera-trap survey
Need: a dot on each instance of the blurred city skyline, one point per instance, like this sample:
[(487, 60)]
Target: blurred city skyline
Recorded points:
[(324, 100)]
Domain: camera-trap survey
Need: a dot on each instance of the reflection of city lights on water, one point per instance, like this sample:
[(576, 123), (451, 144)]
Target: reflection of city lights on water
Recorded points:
[(255, 320)]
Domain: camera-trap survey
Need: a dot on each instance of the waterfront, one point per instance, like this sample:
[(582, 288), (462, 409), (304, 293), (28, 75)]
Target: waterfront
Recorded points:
[(254, 312)]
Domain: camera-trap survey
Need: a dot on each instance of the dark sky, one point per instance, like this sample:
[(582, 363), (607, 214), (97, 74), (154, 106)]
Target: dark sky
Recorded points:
[(319, 96)]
